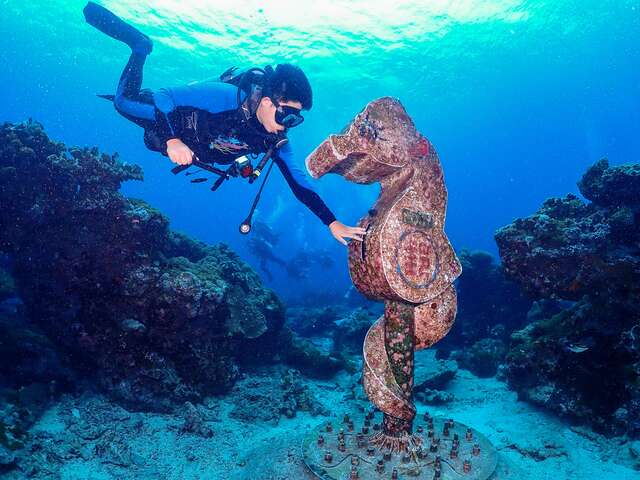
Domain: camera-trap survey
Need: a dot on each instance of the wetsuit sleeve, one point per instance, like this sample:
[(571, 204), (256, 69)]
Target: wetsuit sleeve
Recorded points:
[(212, 96), (298, 181)]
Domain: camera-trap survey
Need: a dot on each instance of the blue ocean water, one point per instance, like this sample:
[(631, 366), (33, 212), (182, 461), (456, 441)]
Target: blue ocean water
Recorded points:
[(519, 97)]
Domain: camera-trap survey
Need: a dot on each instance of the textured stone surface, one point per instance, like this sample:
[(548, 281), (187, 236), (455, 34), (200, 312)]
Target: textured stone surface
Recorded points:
[(611, 186), (435, 375)]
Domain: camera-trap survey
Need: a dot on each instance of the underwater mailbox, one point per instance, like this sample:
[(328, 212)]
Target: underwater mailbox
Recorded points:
[(407, 261)]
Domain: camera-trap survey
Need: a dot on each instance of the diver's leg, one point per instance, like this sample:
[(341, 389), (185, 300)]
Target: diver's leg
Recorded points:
[(115, 27), (128, 101), (131, 81)]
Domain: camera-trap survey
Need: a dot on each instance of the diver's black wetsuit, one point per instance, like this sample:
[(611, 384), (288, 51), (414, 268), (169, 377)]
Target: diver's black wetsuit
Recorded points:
[(205, 115)]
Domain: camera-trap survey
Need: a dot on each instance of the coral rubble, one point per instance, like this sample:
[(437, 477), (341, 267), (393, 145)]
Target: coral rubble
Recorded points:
[(266, 397)]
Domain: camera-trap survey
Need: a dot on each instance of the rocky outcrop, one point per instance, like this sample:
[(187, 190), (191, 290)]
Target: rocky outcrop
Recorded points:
[(484, 320), (570, 248), (483, 357), (309, 359), (312, 321), (265, 397), (583, 361), (351, 330), (432, 378), (158, 318)]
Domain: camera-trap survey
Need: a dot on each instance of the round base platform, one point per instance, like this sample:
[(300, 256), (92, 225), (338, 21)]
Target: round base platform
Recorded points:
[(342, 451)]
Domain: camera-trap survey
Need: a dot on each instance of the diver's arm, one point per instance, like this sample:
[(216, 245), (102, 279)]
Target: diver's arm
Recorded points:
[(299, 184), (297, 180), (212, 96)]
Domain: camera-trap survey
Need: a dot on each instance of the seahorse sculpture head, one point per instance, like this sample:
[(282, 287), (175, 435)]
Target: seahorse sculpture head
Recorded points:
[(405, 258), (378, 142), (406, 255)]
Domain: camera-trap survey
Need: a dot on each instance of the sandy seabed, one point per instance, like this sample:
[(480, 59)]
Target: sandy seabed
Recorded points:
[(531, 443)]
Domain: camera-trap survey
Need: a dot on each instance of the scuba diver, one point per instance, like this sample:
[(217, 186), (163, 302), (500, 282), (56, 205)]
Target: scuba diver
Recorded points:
[(263, 250), (223, 122), (262, 245), (300, 265)]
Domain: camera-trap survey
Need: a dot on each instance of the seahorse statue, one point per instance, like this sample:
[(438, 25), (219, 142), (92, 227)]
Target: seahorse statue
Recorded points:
[(405, 260)]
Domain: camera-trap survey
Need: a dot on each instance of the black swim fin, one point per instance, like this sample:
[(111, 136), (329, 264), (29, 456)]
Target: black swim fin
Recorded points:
[(112, 25), (109, 97)]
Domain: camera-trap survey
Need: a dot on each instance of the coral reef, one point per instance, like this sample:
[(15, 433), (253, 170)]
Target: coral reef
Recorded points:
[(27, 356), (265, 397), (570, 248), (432, 378), (309, 359), (485, 317), (346, 326), (483, 357), (583, 361), (159, 318), (90, 429), (340, 331), (32, 375), (311, 321), (351, 330), (482, 309), (88, 436)]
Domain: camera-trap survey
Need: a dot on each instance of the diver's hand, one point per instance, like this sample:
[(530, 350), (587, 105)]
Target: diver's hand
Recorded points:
[(178, 152), (340, 231)]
